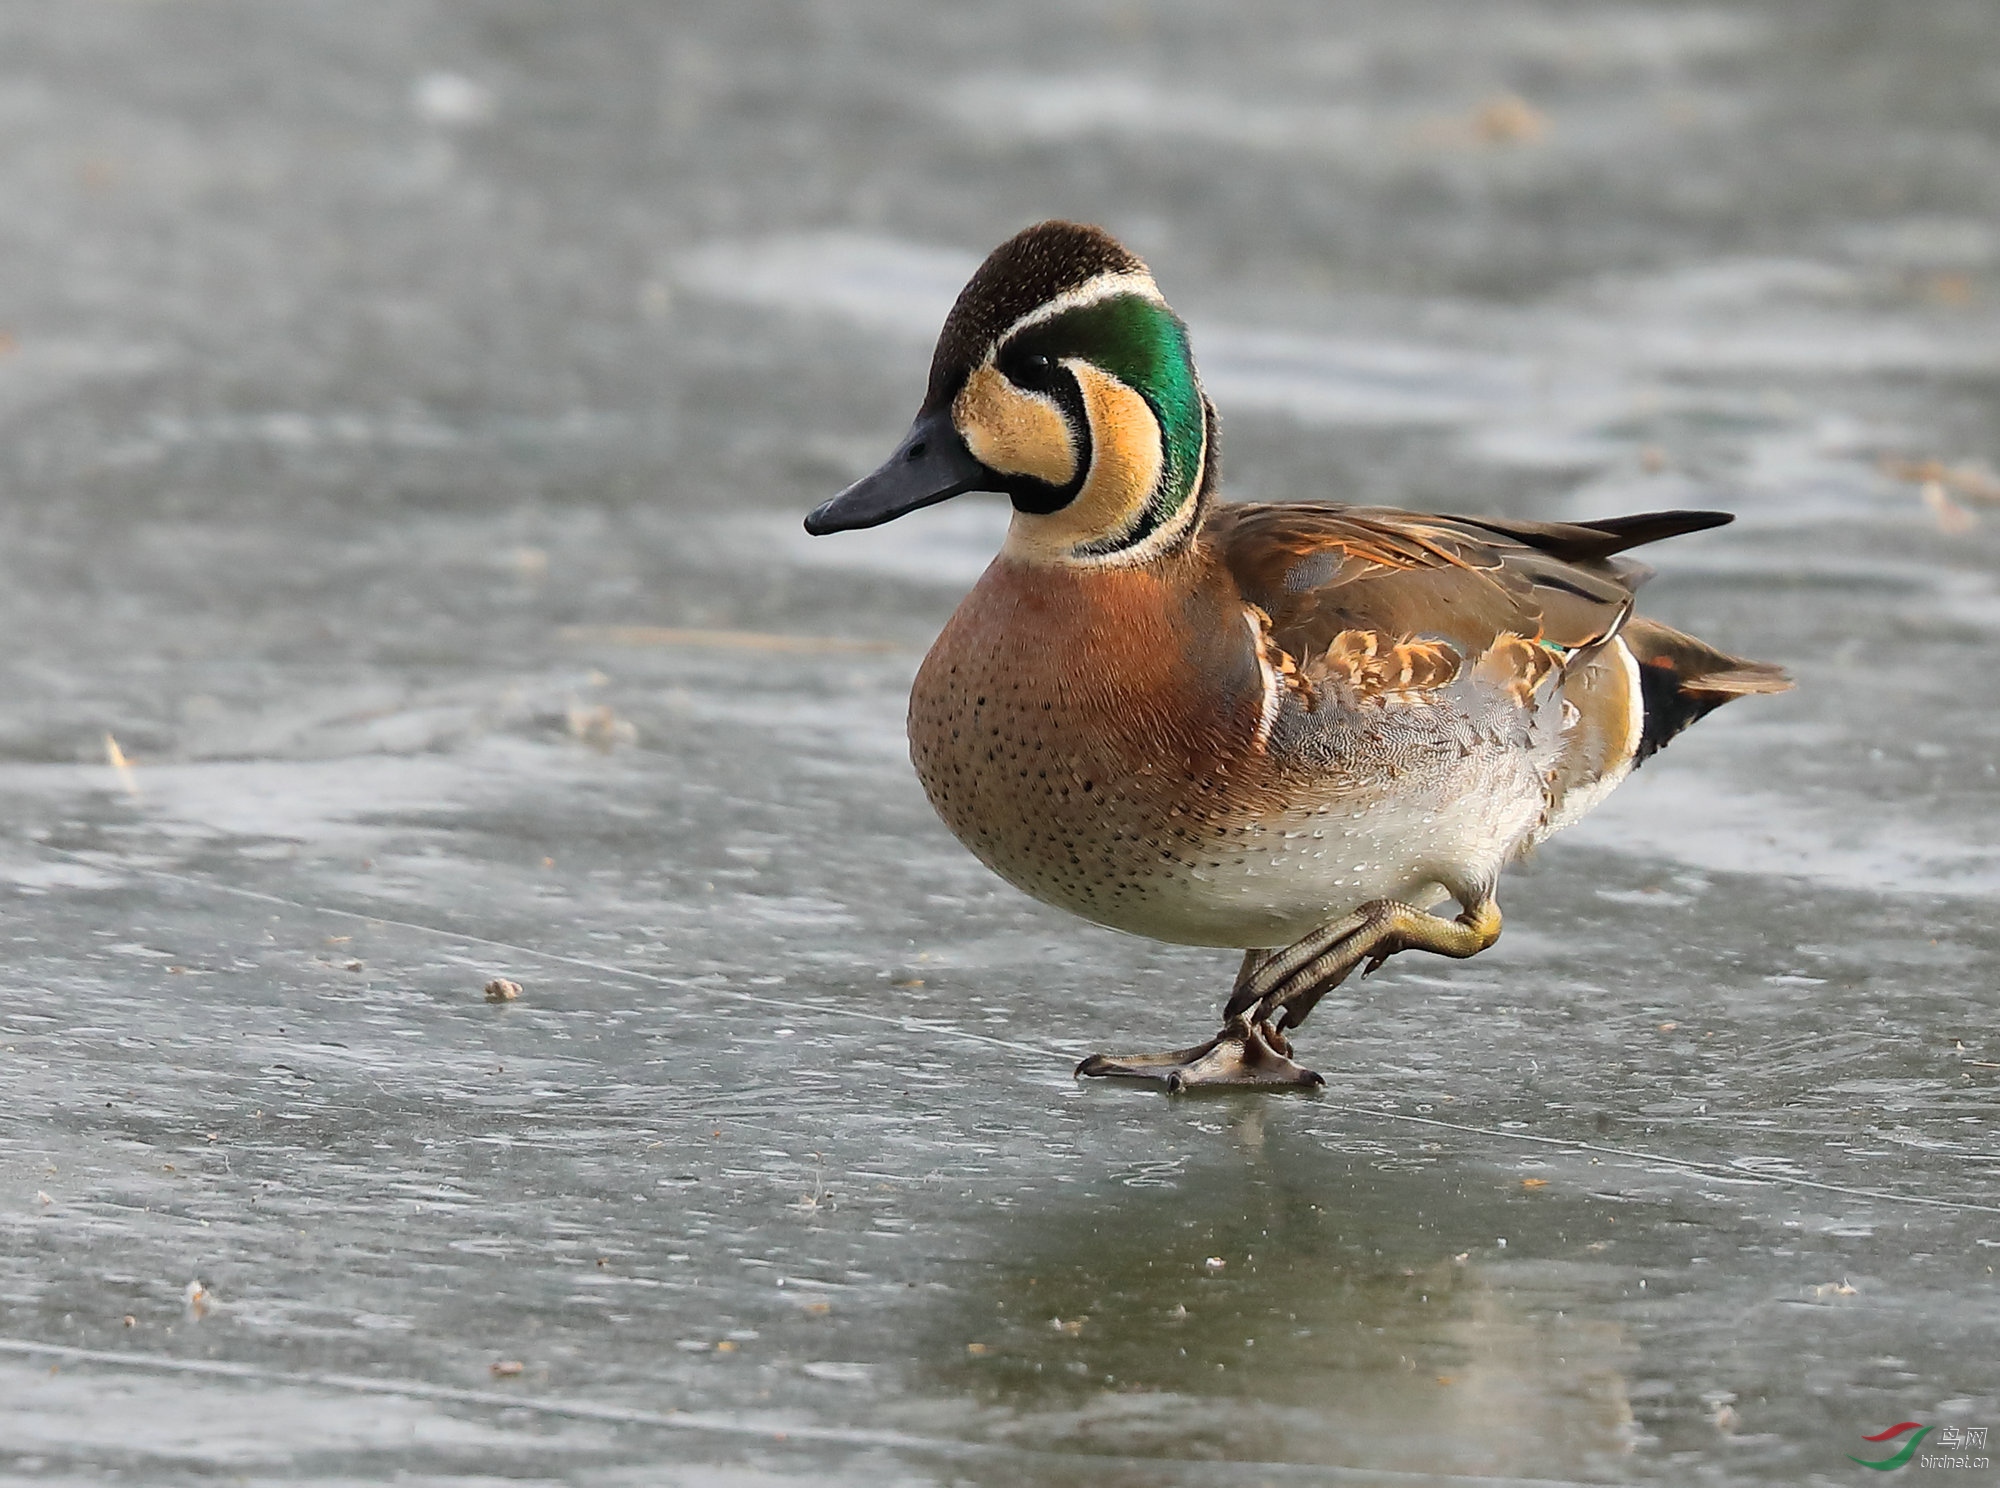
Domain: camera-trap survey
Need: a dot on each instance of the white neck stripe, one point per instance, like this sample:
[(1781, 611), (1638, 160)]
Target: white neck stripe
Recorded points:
[(1106, 286)]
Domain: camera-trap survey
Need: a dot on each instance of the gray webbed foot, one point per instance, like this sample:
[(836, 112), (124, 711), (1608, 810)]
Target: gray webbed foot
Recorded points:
[(1243, 1054)]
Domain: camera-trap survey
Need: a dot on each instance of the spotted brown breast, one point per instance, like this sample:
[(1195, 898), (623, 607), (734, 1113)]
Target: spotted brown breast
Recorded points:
[(1081, 731)]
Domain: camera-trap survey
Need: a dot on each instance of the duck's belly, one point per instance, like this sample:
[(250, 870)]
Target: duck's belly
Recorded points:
[(1142, 829), (1269, 881)]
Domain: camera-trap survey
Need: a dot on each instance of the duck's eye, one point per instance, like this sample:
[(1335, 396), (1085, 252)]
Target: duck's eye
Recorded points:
[(1029, 369)]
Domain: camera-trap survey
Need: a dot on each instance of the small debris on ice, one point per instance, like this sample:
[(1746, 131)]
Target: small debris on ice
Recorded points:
[(599, 727), (1952, 519), (115, 757)]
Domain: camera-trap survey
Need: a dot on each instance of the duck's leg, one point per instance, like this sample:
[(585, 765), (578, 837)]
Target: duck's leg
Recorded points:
[(1282, 989), (1275, 991), (1247, 1052)]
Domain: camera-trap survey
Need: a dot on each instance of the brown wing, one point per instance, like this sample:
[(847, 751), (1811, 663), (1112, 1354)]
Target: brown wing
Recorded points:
[(1322, 571)]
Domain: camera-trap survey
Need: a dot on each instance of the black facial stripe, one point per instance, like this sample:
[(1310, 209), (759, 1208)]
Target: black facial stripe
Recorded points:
[(1039, 497), (1151, 519), (1154, 515)]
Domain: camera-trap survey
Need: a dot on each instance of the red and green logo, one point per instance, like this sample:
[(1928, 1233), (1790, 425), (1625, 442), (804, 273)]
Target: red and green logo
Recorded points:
[(1903, 1456)]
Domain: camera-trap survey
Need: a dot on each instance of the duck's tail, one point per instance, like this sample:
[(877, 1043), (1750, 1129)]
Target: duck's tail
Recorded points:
[(1682, 680)]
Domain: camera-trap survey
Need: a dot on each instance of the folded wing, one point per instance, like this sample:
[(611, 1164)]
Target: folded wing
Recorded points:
[(1321, 571)]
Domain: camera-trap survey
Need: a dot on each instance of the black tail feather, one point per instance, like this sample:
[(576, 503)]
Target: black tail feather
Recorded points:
[(1683, 680), (1581, 542), (1648, 527), (1669, 709)]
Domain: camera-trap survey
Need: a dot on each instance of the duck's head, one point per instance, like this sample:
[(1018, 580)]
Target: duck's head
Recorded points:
[(1062, 379)]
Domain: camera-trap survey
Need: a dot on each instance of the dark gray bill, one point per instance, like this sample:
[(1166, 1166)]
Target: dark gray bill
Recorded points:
[(931, 465)]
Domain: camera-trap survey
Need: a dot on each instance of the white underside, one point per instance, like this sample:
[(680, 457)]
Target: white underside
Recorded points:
[(1318, 864)]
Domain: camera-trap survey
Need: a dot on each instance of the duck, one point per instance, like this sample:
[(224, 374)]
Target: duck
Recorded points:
[(1301, 730)]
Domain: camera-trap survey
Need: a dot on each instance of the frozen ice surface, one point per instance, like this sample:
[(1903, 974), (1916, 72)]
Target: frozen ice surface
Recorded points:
[(408, 412)]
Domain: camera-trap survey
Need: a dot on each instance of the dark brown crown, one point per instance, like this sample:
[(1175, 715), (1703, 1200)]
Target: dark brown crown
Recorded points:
[(1029, 269)]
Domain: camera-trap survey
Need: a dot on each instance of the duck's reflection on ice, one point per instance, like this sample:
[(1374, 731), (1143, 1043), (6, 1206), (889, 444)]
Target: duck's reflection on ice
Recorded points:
[(1291, 1304)]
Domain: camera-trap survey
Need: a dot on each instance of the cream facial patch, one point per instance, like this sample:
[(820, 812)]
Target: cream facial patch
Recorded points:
[(1014, 431)]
